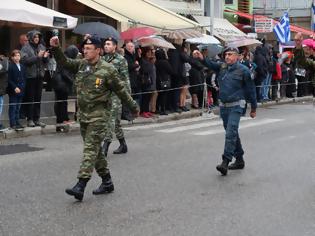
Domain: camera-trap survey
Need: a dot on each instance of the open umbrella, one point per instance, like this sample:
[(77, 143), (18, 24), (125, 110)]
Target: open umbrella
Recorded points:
[(182, 34), (212, 49), (97, 29), (18, 13), (205, 39), (156, 41), (244, 42), (135, 33)]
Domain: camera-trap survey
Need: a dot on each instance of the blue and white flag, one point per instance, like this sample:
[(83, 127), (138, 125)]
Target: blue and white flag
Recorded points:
[(282, 29), (313, 15)]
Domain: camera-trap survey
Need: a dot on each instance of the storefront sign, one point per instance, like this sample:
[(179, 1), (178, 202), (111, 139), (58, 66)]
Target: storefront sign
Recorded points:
[(263, 25)]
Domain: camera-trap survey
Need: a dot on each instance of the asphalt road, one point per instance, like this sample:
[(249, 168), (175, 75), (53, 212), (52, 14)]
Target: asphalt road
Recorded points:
[(167, 184)]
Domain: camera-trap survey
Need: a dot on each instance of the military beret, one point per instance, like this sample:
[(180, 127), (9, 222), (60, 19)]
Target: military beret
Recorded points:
[(115, 41), (231, 49), (93, 40)]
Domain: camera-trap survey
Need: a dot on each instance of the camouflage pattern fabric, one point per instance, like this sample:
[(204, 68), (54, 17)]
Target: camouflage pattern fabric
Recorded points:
[(94, 85), (121, 65), (93, 135)]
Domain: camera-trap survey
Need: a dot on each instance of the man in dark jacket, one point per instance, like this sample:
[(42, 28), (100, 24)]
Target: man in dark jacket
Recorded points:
[(4, 66), (133, 69), (34, 57), (261, 70), (236, 86)]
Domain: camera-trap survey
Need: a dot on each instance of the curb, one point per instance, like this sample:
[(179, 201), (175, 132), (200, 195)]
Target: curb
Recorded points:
[(75, 128)]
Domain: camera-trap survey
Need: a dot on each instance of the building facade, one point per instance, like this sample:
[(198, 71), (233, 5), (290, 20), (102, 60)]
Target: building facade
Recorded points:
[(300, 11)]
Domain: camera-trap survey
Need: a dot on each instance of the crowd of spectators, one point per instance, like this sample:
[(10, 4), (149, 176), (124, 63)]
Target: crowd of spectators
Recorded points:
[(161, 80)]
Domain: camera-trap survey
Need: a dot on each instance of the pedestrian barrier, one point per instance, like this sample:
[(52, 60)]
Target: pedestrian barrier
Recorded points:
[(165, 90)]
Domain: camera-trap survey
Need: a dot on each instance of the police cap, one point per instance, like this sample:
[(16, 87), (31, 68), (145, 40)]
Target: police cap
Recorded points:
[(115, 41), (93, 41)]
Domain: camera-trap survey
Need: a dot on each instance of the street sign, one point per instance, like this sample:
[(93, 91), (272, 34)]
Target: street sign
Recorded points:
[(263, 24)]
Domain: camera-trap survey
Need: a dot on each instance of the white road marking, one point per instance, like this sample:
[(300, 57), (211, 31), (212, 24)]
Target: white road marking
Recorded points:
[(242, 126), (169, 123), (195, 126)]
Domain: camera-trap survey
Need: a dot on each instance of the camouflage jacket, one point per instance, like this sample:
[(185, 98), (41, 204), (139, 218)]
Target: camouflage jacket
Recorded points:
[(307, 63), (94, 85), (121, 65)]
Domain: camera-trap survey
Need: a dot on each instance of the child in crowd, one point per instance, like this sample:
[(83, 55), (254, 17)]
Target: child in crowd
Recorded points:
[(16, 85)]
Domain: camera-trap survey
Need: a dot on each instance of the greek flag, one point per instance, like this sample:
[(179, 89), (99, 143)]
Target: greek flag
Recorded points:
[(313, 14), (282, 29)]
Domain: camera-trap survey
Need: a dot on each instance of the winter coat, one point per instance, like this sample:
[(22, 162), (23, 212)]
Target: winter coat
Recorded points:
[(177, 59), (164, 70), (63, 79), (35, 66), (16, 79), (235, 82), (148, 71), (196, 75), (133, 73), (262, 65), (4, 67)]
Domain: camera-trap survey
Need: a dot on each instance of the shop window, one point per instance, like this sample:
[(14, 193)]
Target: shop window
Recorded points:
[(229, 2)]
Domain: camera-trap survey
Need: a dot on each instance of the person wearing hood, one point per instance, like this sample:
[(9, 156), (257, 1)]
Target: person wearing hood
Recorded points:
[(63, 85), (34, 57)]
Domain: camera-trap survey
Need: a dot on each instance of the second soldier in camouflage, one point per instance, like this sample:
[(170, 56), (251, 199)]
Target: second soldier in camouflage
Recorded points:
[(114, 126)]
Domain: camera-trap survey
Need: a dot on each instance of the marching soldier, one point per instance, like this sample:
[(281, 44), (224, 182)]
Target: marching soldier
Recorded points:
[(95, 81), (119, 62)]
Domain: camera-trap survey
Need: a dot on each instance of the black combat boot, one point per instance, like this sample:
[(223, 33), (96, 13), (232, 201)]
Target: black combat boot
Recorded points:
[(78, 190), (223, 167), (238, 164), (105, 147), (122, 147), (106, 186)]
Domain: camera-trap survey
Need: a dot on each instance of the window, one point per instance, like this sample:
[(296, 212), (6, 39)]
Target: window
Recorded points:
[(229, 2)]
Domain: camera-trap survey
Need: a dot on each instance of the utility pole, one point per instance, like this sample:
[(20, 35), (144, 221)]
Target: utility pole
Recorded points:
[(211, 17)]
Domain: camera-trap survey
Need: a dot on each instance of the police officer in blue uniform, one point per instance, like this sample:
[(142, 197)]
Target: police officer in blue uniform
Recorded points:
[(236, 87)]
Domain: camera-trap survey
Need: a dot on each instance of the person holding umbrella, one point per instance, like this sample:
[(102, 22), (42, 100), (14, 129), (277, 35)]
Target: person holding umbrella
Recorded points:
[(120, 63), (95, 80)]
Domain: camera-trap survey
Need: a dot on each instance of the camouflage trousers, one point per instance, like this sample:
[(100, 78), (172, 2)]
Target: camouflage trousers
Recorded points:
[(114, 124), (93, 135)]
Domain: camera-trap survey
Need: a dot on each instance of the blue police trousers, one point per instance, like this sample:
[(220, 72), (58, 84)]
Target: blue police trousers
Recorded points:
[(231, 118)]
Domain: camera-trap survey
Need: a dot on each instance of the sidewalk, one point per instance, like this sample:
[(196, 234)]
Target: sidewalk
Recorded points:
[(51, 129)]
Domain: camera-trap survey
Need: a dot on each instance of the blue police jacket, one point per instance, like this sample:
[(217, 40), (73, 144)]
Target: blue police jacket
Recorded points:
[(235, 82)]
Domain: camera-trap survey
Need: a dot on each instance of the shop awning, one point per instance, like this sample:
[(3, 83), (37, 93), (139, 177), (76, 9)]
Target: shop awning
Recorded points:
[(140, 12), (222, 28), (293, 28), (26, 13)]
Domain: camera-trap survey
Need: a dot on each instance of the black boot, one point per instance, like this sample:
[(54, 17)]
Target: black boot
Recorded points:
[(238, 164), (122, 147), (106, 186), (78, 190), (223, 167), (105, 147)]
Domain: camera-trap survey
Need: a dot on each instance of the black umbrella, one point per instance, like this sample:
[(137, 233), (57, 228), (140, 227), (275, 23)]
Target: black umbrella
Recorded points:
[(97, 29)]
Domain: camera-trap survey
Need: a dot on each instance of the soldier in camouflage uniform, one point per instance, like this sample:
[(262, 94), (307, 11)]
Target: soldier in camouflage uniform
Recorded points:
[(121, 65), (95, 81)]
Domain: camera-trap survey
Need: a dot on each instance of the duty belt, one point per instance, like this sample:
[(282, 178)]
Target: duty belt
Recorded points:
[(232, 104)]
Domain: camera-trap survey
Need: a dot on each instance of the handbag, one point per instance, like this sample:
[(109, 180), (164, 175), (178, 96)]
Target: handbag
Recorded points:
[(166, 84)]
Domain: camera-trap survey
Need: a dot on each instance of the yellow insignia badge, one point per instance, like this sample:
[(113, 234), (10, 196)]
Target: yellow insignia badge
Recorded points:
[(97, 82)]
